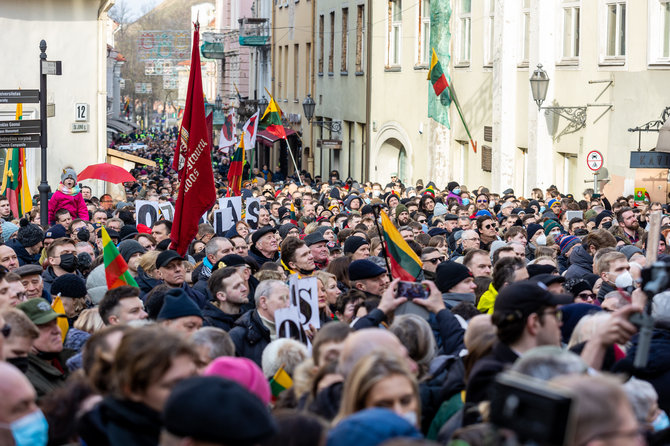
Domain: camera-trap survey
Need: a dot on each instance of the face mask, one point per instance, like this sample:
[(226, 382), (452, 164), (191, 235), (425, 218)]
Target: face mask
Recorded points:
[(554, 233), (624, 280), (606, 225), (466, 201), (376, 193), (367, 200), (68, 262), (20, 362), (456, 191), (660, 422), (31, 430), (541, 240), (542, 209), (411, 417)]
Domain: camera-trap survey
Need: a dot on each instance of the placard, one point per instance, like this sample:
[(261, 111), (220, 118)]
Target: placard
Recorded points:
[(253, 206), (287, 321), (233, 203), (223, 221), (167, 210), (146, 212), (305, 297)]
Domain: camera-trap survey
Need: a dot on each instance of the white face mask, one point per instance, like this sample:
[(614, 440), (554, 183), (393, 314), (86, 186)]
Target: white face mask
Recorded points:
[(411, 417), (624, 280), (541, 240)]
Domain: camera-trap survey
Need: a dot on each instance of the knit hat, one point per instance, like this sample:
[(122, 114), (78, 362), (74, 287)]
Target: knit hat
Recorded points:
[(532, 229), (629, 250), (243, 371), (603, 214), (549, 225), (29, 234), (282, 212), (537, 269), (129, 247), (8, 229), (96, 284), (449, 274), (483, 212), (69, 285), (284, 229), (552, 202), (367, 209), (371, 427), (217, 411), (352, 244), (439, 209), (452, 185), (128, 231), (177, 304), (400, 209), (68, 173), (566, 242), (56, 231), (496, 245), (364, 269)]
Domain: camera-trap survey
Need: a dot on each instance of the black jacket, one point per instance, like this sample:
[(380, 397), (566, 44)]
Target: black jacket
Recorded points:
[(24, 257), (581, 263), (130, 423), (145, 282), (484, 372), (214, 317), (260, 258), (250, 336)]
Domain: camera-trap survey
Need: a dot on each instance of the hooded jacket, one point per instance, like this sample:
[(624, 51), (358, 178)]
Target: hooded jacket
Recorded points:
[(581, 263), (24, 257), (145, 282), (214, 317), (250, 336)]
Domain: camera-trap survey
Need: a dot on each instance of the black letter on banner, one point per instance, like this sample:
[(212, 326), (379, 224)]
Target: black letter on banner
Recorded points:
[(230, 205), (147, 215), (252, 214), (289, 329)]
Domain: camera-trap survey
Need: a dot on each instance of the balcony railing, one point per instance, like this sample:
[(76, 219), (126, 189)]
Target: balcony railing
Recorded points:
[(254, 31)]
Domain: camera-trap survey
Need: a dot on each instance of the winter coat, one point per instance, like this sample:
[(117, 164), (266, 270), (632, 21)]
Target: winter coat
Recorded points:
[(563, 264), (485, 370), (618, 232), (24, 257), (48, 277), (250, 336), (130, 423), (255, 254), (214, 317), (487, 300), (44, 375), (73, 203), (453, 299), (657, 371), (456, 197), (581, 263), (145, 282)]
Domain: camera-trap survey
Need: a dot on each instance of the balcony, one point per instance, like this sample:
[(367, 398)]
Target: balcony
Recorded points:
[(212, 46), (254, 31)]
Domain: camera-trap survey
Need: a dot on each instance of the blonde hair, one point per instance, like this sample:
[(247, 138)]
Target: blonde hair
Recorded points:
[(148, 261), (89, 321), (324, 277), (367, 372), (587, 326), (310, 228)]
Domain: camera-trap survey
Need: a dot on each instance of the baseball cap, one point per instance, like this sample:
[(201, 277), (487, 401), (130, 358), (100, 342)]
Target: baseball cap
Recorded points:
[(39, 311), (527, 297), (166, 257)]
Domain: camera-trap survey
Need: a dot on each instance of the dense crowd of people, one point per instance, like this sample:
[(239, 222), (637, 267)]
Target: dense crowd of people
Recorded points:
[(537, 291)]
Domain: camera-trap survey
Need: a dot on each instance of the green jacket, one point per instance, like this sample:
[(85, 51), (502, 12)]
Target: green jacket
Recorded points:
[(44, 376)]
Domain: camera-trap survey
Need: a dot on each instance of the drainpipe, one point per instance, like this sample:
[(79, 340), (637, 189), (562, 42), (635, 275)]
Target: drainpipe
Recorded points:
[(368, 99)]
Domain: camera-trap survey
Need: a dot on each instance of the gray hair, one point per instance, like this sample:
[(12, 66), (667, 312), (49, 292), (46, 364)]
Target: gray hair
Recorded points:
[(266, 287), (587, 326), (416, 335), (548, 361), (217, 341), (283, 352), (213, 245), (660, 306), (642, 397)]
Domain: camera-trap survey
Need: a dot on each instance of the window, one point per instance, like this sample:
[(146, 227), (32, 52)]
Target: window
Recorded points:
[(280, 59), (525, 36), (286, 93), (332, 43), (571, 12), (308, 68), (394, 32), (616, 29), (424, 52), (345, 39), (665, 14), (659, 32), (321, 44), (465, 28), (490, 32), (360, 17), (296, 71)]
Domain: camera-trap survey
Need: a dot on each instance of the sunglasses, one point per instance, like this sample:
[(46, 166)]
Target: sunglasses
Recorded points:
[(586, 295), (6, 330), (422, 221), (436, 260), (490, 226), (482, 201)]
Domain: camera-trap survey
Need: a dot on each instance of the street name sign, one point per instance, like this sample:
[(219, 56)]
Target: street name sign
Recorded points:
[(19, 96), (19, 127), (20, 141), (650, 160)]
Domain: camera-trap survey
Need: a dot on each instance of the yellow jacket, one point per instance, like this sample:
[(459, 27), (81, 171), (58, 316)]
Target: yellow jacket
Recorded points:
[(487, 300)]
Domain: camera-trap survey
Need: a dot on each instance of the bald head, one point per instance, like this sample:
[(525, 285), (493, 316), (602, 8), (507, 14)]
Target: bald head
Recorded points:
[(363, 342), (18, 395), (478, 326)]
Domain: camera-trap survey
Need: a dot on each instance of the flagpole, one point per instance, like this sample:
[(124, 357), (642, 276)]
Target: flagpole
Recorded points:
[(293, 159), (375, 209)]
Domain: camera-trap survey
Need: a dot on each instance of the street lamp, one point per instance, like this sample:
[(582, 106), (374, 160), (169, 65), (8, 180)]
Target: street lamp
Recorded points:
[(539, 83), (308, 106), (262, 105), (218, 102)]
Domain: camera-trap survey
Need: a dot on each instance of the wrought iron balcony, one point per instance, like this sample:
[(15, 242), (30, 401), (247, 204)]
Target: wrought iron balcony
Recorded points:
[(254, 31)]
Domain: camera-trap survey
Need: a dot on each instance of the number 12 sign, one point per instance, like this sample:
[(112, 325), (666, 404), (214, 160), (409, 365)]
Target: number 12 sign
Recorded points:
[(80, 112)]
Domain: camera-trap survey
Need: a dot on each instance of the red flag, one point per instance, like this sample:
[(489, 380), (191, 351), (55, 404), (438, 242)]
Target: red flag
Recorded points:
[(192, 160), (235, 170)]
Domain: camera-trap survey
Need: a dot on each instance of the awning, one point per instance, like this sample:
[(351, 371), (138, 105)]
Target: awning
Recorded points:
[(119, 126), (266, 138)]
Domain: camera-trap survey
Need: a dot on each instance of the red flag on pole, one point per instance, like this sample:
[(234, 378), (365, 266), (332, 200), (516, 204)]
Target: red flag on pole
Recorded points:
[(192, 160)]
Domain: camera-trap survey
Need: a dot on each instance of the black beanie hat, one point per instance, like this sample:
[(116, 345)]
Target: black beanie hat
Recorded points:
[(452, 185), (352, 244), (69, 285), (29, 234), (177, 304), (599, 217), (449, 274)]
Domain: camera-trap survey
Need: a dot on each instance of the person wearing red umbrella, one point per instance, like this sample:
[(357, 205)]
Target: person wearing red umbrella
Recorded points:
[(68, 196)]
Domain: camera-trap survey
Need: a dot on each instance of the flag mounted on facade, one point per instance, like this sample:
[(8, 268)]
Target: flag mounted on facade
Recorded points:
[(250, 129), (116, 269), (14, 179), (227, 137), (193, 159), (236, 168), (405, 264), (271, 120)]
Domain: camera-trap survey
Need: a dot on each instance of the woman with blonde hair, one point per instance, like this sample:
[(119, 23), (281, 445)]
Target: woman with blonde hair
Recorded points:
[(381, 379)]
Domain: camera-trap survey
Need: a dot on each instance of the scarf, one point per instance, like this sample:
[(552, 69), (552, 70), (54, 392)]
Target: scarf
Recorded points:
[(68, 190)]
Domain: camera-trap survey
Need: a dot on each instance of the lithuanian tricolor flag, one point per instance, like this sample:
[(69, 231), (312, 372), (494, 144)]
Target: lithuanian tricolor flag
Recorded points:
[(236, 169), (292, 215), (14, 181), (280, 382), (271, 120), (116, 269), (58, 307), (436, 76), (405, 264)]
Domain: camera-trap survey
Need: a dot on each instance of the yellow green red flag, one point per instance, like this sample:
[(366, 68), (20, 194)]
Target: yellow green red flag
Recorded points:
[(280, 382), (405, 264), (116, 269), (14, 180)]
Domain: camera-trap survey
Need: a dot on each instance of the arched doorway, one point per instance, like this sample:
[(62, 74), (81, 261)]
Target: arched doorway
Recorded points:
[(391, 158)]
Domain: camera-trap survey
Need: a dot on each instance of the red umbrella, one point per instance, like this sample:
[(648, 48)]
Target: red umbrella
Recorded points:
[(106, 172)]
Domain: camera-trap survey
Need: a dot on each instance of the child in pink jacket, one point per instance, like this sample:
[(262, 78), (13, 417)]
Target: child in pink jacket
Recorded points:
[(68, 196)]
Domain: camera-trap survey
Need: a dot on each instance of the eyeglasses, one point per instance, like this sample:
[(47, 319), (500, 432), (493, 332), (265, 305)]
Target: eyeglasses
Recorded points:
[(436, 260), (586, 295), (6, 330), (491, 226), (482, 201), (422, 221), (558, 314)]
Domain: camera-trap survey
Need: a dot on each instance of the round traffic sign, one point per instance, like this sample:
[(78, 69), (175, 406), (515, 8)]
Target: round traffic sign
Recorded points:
[(594, 160)]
